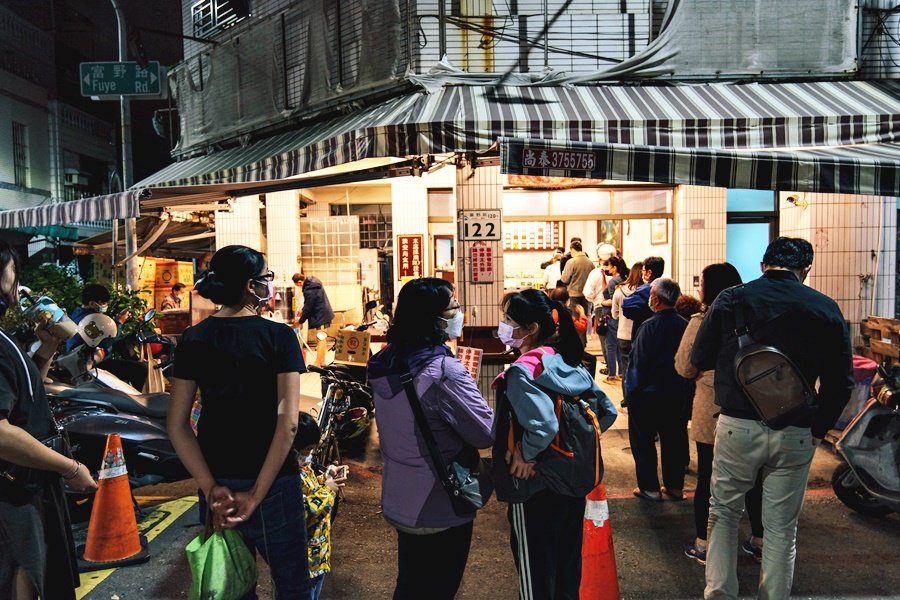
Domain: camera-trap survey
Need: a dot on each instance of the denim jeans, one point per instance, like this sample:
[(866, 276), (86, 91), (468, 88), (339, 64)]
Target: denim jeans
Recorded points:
[(317, 586), (613, 360), (742, 448), (277, 530)]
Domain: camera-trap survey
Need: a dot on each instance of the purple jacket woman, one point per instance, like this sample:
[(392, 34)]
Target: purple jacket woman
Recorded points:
[(432, 541)]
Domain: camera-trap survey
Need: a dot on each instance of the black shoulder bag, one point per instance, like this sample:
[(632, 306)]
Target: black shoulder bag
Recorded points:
[(770, 380), (467, 480)]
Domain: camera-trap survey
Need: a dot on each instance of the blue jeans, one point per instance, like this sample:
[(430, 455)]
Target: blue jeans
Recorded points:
[(613, 360), (317, 586), (277, 530)]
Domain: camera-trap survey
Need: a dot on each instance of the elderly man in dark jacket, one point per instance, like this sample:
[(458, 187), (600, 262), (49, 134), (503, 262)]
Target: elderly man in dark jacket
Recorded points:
[(316, 307), (807, 326), (657, 395)]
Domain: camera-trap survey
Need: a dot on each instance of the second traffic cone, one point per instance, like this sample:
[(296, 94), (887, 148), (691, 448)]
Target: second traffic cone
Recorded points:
[(599, 579), (112, 538)]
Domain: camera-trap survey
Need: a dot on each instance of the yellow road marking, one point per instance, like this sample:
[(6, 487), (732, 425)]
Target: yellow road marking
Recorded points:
[(151, 526)]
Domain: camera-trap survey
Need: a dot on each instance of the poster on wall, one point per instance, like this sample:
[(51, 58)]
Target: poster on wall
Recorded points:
[(410, 258), (482, 259), (470, 359), (611, 233)]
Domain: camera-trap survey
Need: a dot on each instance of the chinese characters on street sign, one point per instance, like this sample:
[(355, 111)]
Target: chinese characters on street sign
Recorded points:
[(479, 225), (410, 261), (120, 79), (482, 264)]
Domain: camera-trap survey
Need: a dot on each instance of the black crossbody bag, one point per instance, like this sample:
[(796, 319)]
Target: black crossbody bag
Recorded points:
[(467, 479)]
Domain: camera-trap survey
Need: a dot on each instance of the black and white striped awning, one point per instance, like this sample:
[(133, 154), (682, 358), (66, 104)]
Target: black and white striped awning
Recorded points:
[(868, 169), (467, 118), (99, 208), (829, 136)]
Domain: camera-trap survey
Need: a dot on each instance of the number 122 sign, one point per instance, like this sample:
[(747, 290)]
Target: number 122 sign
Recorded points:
[(479, 225)]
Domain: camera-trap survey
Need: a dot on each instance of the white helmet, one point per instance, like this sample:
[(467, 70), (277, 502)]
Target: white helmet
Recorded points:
[(95, 328), (605, 251)]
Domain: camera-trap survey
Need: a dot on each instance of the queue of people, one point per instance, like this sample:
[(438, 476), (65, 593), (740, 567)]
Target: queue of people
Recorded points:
[(251, 477)]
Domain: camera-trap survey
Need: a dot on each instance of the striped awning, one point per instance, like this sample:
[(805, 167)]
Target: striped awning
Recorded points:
[(99, 208), (467, 118), (869, 169)]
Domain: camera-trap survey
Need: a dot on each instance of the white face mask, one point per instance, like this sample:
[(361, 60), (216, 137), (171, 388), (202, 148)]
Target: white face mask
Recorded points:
[(454, 325), (103, 308), (505, 333), (270, 291)]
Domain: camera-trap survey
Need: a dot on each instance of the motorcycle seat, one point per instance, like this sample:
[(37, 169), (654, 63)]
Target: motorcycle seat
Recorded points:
[(145, 405)]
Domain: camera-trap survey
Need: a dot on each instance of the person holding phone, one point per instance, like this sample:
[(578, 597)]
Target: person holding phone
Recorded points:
[(320, 494)]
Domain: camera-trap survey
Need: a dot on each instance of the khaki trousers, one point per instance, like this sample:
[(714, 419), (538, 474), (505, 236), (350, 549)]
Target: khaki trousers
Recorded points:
[(742, 448)]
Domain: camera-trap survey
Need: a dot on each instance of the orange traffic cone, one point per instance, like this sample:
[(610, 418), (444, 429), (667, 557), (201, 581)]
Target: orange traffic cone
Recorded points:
[(112, 538), (599, 579)]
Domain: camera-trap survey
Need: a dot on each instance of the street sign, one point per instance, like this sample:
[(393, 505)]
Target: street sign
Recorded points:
[(120, 79), (479, 225)]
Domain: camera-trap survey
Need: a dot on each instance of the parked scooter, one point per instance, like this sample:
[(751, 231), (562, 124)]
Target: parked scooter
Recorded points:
[(868, 481)]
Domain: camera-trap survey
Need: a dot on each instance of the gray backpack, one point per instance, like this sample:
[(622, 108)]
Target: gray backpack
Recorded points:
[(770, 380)]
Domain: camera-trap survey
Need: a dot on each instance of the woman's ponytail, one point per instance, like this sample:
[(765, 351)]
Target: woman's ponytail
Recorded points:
[(569, 345)]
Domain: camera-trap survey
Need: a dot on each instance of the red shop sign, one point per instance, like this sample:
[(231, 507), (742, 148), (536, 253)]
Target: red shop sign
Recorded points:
[(410, 254)]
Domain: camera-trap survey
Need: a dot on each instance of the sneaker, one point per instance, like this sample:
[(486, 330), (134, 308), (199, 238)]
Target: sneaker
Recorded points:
[(692, 550), (755, 551)]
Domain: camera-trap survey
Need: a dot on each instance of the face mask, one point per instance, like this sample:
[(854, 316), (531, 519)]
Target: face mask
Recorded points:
[(270, 291), (505, 333), (307, 460), (103, 308), (454, 325)]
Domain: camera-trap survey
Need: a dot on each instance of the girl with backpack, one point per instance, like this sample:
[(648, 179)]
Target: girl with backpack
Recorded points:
[(546, 526)]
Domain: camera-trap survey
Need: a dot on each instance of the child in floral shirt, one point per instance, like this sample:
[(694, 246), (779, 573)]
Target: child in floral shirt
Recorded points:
[(319, 494)]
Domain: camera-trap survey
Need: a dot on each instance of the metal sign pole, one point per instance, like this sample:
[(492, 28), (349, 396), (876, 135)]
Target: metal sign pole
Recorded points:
[(131, 266)]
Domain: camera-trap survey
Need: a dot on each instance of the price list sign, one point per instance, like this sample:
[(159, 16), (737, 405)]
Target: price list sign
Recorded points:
[(471, 359), (411, 251), (482, 264)]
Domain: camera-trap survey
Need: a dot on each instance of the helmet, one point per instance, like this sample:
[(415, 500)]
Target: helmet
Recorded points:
[(351, 423), (95, 328), (605, 251)]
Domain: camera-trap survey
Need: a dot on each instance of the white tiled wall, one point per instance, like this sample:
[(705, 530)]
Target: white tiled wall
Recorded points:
[(480, 188), (283, 234), (700, 219), (241, 226), (854, 238)]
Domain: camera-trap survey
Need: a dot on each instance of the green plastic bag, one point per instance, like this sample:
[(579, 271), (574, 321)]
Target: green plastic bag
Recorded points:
[(222, 567)]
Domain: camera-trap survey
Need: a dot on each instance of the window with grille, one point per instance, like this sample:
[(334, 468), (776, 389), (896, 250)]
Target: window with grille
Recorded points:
[(20, 153), (209, 17)]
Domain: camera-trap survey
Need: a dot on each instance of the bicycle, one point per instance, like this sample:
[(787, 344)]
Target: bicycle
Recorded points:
[(345, 413)]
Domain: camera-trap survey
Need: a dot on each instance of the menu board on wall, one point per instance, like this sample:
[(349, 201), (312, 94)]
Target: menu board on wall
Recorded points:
[(532, 235)]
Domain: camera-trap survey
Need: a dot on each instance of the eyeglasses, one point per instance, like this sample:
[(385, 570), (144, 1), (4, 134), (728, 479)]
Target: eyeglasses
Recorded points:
[(267, 276)]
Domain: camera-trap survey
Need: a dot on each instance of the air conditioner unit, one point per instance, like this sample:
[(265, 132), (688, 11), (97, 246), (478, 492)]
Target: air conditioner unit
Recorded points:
[(76, 177)]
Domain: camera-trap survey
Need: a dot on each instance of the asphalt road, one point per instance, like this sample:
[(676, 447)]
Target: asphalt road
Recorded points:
[(840, 554)]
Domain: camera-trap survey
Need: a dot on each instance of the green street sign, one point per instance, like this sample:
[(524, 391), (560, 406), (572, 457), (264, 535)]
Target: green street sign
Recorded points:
[(120, 79)]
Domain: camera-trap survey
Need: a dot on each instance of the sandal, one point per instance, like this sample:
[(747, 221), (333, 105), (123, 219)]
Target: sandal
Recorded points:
[(651, 496), (673, 494)]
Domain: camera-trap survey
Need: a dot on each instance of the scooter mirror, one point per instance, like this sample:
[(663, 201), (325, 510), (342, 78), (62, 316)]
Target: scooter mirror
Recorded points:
[(321, 336), (149, 315), (379, 316)]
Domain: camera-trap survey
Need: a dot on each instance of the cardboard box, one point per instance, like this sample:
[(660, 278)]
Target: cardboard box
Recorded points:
[(170, 272), (352, 347)]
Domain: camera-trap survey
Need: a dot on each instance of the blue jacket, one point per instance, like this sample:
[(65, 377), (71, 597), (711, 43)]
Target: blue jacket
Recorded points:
[(458, 415), (637, 308), (652, 365), (316, 307), (523, 387)]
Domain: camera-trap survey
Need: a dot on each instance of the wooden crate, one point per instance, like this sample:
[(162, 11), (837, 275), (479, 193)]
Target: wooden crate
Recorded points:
[(882, 336)]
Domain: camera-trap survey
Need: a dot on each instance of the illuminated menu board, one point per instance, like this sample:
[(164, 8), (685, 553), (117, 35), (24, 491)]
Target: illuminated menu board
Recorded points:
[(532, 235)]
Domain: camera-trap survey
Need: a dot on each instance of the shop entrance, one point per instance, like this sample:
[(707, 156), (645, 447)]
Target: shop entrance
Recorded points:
[(752, 223)]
